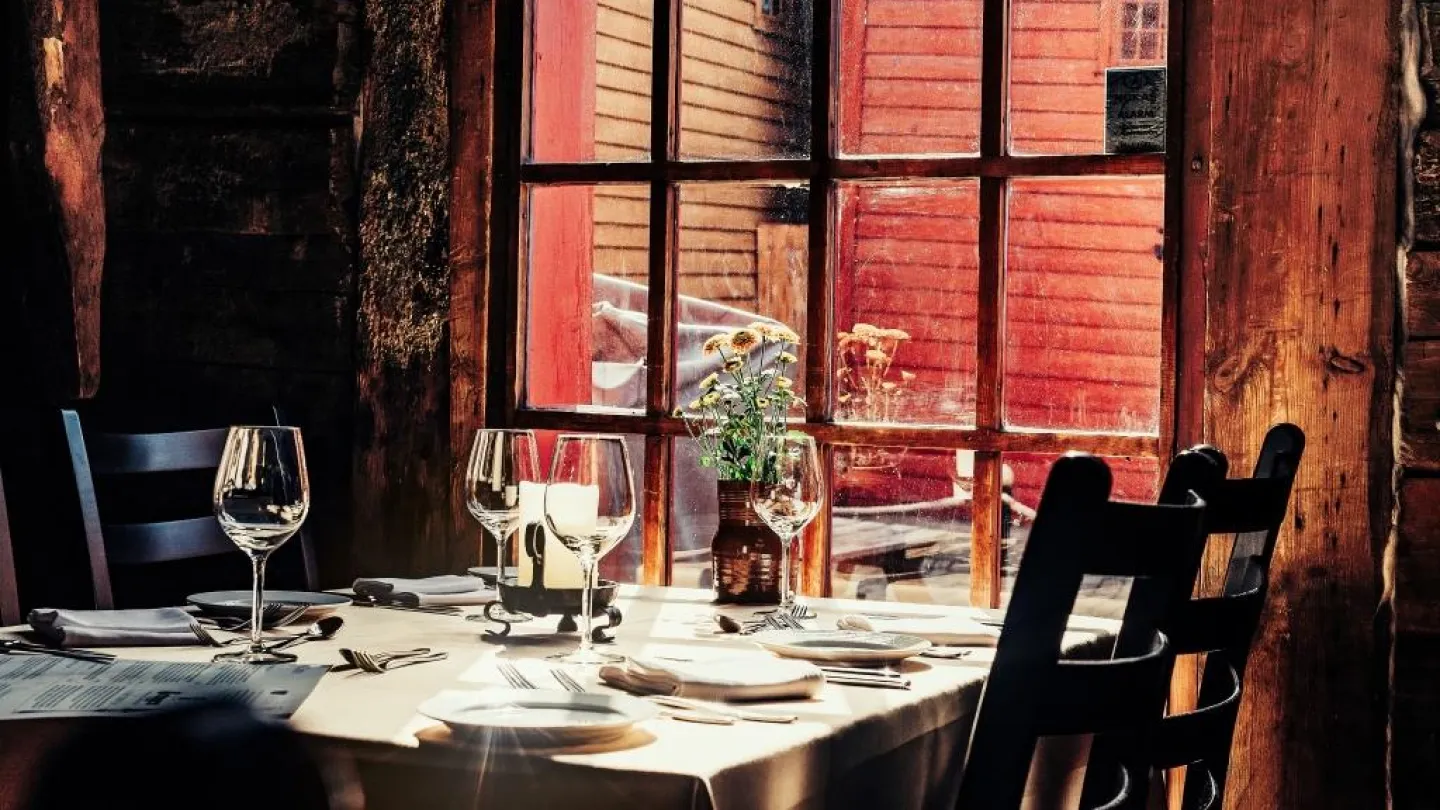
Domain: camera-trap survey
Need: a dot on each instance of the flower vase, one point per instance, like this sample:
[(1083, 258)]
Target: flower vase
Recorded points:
[(745, 552)]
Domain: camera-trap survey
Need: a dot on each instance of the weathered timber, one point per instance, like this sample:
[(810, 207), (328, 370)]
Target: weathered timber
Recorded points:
[(1420, 405), (1415, 728), (55, 133), (1301, 293), (402, 473), (1422, 295)]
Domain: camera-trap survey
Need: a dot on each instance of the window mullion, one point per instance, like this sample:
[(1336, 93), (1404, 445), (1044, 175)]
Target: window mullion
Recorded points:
[(986, 530), (820, 320)]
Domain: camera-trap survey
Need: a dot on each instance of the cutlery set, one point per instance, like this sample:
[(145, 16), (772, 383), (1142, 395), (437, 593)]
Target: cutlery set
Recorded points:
[(692, 711)]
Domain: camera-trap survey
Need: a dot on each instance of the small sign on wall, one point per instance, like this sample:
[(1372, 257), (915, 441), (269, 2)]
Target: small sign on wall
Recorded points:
[(1134, 110)]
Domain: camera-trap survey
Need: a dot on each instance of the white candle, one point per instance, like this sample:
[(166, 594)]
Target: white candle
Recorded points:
[(579, 507)]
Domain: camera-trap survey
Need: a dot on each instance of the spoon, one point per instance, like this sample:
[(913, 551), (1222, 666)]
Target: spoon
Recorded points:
[(322, 630)]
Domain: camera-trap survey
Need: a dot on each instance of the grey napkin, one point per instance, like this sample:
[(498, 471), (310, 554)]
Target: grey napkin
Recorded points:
[(741, 678), (155, 627), (442, 590)]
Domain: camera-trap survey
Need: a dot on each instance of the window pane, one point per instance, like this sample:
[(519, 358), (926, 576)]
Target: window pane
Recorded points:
[(694, 514), (745, 75), (744, 251), (901, 524), (909, 77), (587, 264), (1023, 479), (1059, 54), (590, 80), (1083, 300), (905, 303)]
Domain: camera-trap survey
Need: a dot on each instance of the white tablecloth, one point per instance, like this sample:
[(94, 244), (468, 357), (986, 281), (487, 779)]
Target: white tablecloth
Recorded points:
[(852, 747)]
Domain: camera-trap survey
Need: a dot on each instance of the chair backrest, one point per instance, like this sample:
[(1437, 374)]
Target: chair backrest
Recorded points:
[(134, 544), (1223, 627), (9, 588), (1031, 691)]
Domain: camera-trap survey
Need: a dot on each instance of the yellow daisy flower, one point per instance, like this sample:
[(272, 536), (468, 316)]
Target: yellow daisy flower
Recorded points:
[(709, 399), (709, 382), (783, 383), (787, 357), (875, 356), (763, 402), (716, 343), (734, 364), (743, 340)]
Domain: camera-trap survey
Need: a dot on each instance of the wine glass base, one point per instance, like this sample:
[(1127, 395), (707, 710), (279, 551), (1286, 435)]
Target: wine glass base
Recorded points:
[(256, 657), (587, 658)]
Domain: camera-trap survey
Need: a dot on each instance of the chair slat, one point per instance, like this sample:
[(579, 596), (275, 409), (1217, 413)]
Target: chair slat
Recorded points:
[(1215, 623), (127, 453), (9, 588), (1094, 697), (1179, 739), (146, 543)]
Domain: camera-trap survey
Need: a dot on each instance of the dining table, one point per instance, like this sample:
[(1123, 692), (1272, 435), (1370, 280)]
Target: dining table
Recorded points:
[(850, 746)]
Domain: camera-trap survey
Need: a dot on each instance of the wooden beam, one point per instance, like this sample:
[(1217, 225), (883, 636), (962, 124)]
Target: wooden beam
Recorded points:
[(56, 133), (472, 98), (402, 467), (1301, 288)]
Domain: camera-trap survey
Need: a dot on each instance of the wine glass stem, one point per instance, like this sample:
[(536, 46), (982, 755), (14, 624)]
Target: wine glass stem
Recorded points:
[(257, 600), (587, 568), (787, 597), (500, 538)]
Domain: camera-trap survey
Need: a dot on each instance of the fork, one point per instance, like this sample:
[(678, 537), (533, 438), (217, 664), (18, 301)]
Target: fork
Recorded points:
[(570, 684), (15, 645), (272, 614), (514, 676), (381, 662), (437, 610), (204, 635)]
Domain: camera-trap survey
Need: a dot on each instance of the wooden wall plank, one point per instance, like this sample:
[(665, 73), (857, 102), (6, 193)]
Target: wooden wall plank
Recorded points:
[(55, 134), (402, 472), (1300, 295)]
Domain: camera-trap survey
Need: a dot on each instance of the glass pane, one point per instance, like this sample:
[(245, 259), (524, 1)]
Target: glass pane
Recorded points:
[(694, 514), (1083, 298), (745, 75), (744, 250), (1023, 478), (901, 524), (590, 80), (587, 267), (622, 564), (905, 303), (1060, 54), (909, 77)]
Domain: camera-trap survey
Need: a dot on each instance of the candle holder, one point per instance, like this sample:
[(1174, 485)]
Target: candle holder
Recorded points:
[(539, 601)]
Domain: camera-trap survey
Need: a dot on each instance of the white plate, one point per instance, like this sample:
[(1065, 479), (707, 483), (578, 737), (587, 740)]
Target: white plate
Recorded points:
[(533, 715), (237, 603), (851, 646)]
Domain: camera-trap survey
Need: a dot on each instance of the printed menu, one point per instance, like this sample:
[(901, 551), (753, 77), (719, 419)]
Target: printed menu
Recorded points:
[(36, 686)]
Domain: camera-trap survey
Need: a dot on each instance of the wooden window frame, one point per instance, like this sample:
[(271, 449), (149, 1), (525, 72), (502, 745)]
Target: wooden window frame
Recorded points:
[(503, 299)]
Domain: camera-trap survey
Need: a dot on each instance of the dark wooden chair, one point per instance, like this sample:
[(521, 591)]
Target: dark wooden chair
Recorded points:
[(1223, 627), (1033, 693), (146, 543), (9, 588)]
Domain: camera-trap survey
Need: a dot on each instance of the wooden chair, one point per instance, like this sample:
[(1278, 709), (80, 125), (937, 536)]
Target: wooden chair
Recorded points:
[(1031, 692), (1223, 627), (147, 543), (9, 588)]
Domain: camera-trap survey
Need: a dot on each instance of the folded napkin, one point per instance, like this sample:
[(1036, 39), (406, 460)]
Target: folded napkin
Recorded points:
[(114, 628), (443, 590), (746, 677), (942, 631)]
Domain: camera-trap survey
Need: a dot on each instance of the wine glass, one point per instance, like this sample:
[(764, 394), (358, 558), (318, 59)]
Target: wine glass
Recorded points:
[(787, 495), (500, 461), (262, 494), (589, 506)]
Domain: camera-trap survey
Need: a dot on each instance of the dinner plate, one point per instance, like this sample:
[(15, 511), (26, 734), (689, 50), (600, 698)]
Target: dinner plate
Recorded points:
[(852, 646), (486, 573), (537, 716), (237, 603)]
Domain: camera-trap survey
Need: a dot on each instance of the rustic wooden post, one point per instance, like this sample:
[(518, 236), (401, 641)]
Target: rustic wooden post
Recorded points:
[(1301, 285), (403, 461), (55, 137)]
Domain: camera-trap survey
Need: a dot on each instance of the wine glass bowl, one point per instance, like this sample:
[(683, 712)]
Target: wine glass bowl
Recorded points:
[(787, 495), (501, 462), (261, 498), (590, 507)]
